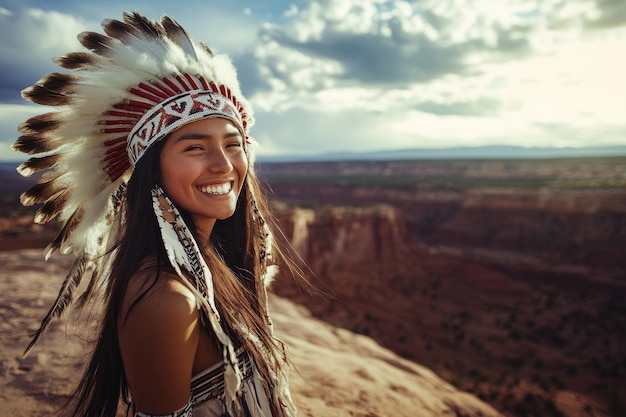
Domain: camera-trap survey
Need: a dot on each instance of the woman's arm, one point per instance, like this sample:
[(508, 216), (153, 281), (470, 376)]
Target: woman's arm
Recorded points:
[(158, 342)]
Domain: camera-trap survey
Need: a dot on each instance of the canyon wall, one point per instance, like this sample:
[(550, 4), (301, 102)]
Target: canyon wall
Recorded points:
[(336, 238), (585, 227), (516, 296)]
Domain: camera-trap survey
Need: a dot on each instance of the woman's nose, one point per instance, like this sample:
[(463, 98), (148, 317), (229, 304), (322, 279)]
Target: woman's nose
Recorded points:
[(219, 162)]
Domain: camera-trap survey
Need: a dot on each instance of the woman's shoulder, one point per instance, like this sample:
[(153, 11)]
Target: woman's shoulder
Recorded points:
[(158, 291), (158, 336)]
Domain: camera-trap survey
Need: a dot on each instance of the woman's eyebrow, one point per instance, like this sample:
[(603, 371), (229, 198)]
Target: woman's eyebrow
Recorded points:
[(198, 135)]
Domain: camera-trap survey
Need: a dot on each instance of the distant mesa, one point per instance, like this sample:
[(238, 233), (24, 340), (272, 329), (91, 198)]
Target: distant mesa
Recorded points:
[(469, 152)]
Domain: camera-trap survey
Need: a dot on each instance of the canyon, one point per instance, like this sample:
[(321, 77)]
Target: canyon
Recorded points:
[(504, 277)]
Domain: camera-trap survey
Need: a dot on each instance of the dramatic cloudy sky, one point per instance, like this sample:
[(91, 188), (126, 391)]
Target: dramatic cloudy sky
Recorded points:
[(363, 75)]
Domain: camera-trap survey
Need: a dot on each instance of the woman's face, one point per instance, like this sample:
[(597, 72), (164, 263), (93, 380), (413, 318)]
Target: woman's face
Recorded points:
[(203, 167)]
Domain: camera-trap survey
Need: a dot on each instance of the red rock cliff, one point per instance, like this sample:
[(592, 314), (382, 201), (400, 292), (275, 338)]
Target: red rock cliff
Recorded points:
[(332, 239)]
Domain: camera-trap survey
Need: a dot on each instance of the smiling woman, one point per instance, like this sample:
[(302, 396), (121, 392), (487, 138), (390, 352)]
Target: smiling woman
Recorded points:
[(203, 166), (172, 224)]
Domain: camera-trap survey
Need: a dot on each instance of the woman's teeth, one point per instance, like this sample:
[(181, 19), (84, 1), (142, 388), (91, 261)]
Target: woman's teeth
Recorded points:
[(216, 189)]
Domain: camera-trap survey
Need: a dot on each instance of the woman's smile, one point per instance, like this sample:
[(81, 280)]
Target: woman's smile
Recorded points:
[(217, 189)]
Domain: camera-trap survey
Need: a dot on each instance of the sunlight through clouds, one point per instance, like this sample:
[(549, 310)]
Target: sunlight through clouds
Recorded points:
[(347, 74), (460, 73)]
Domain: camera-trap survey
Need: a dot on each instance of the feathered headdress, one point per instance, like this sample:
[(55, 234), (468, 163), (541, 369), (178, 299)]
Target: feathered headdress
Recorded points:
[(141, 80)]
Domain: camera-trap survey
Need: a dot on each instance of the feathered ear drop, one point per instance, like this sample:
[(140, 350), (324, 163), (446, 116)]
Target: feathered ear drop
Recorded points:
[(182, 249), (187, 260)]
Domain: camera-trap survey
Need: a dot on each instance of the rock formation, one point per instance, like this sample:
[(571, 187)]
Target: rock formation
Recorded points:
[(336, 238), (509, 325)]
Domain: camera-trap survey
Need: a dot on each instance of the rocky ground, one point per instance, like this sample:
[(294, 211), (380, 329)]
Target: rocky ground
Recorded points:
[(336, 372)]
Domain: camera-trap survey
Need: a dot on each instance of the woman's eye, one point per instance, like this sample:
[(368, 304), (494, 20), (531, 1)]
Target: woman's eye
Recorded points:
[(237, 144), (193, 148)]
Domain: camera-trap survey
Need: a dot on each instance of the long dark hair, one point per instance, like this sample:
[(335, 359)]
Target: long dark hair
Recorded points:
[(232, 254)]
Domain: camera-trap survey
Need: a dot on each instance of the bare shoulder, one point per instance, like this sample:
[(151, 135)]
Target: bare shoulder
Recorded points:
[(157, 294), (159, 332), (158, 307)]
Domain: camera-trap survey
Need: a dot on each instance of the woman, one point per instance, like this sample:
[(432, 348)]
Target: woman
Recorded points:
[(150, 172)]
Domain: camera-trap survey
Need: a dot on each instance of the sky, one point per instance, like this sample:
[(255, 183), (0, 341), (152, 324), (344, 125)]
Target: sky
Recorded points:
[(328, 76)]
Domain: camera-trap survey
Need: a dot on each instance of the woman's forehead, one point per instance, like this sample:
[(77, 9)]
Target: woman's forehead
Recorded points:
[(208, 126)]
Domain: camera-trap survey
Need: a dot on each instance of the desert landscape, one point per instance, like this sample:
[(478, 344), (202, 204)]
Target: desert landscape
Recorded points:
[(446, 288)]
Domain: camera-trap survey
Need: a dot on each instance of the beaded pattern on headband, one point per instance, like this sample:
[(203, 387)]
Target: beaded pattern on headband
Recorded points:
[(169, 103), (172, 114)]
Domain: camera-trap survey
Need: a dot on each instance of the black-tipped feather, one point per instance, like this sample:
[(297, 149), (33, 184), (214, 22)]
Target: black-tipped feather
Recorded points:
[(119, 30), (87, 295), (45, 189), (33, 144), (205, 48), (143, 26), (40, 123), (33, 165), (77, 60), (101, 265), (66, 231), (179, 35), (58, 82), (72, 280), (137, 32), (41, 95), (99, 44), (51, 207)]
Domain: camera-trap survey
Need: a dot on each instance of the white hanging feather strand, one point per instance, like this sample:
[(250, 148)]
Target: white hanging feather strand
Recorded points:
[(184, 254)]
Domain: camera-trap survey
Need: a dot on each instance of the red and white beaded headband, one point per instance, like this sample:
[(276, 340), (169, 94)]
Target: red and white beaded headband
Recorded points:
[(167, 105)]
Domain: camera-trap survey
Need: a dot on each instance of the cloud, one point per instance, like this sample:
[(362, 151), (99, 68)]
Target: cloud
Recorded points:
[(292, 11), (608, 14), (437, 50), (298, 131), (441, 71), (480, 107), (389, 43), (30, 39)]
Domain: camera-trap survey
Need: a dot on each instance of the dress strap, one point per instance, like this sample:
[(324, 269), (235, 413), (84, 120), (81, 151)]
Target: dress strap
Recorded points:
[(186, 411)]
